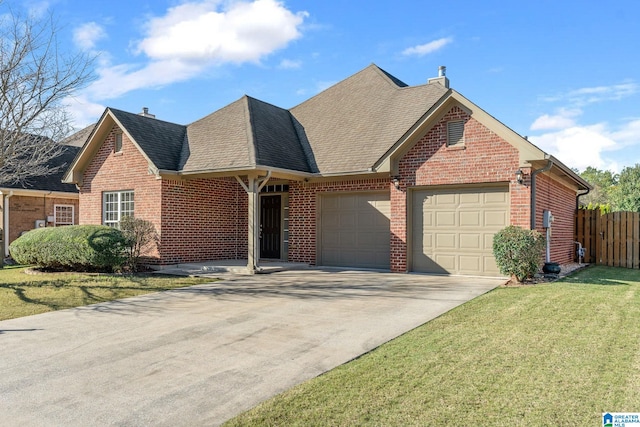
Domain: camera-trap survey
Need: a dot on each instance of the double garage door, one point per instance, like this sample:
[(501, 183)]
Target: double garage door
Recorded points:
[(453, 228)]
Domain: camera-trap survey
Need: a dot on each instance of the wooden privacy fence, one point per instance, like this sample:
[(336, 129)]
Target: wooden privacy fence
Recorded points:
[(612, 239)]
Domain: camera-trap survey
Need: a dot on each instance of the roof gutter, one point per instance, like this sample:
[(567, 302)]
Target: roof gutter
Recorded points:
[(578, 197), (533, 190)]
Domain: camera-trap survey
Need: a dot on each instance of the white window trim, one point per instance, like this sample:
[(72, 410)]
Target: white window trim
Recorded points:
[(115, 223), (55, 215)]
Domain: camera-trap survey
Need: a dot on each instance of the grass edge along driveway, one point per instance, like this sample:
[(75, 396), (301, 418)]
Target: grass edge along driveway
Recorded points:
[(24, 294), (551, 354)]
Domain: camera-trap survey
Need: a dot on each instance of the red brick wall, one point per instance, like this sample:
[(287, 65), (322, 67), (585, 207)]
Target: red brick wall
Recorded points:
[(302, 212), (125, 170), (485, 158), (203, 219), (561, 201), (25, 210)]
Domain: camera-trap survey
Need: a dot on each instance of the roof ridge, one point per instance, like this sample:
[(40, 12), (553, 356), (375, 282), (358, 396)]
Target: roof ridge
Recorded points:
[(143, 117), (251, 132), (392, 79)]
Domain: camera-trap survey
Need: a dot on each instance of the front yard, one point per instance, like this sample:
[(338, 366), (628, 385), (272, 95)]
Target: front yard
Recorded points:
[(26, 294), (551, 354)]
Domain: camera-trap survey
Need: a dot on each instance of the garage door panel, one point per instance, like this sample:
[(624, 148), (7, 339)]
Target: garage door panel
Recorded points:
[(446, 261), (470, 264), (362, 230), (470, 219), (490, 263), (446, 218), (496, 197), (488, 242), (453, 229), (471, 241), (469, 199), (445, 200), (445, 240), (495, 219)]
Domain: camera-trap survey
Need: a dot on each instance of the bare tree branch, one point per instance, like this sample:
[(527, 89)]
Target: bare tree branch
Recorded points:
[(35, 77)]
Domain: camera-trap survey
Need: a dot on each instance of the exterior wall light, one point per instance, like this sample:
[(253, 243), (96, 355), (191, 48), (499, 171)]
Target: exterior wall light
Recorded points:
[(396, 181), (519, 176)]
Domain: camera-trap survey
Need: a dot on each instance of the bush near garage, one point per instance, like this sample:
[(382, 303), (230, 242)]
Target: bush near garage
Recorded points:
[(518, 251), (71, 248)]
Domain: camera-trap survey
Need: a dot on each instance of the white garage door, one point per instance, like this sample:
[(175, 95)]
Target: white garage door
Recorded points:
[(452, 229), (355, 230)]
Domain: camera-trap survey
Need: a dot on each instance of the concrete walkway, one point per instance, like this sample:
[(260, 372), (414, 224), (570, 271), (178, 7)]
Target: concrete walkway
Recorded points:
[(201, 355)]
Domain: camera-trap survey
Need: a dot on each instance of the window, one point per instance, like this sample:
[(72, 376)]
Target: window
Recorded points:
[(62, 215), (116, 205), (455, 133), (117, 145)]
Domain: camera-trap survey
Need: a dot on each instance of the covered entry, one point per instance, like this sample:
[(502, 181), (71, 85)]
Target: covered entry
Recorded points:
[(452, 229), (354, 230)]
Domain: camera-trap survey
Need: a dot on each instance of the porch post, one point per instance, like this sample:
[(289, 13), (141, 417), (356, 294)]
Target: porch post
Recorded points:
[(253, 187), (253, 238)]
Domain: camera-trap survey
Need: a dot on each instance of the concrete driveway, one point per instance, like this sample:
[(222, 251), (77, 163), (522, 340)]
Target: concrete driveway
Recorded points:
[(201, 355)]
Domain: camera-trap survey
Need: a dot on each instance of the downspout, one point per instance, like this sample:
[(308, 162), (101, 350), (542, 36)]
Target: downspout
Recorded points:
[(533, 191), (44, 208), (5, 215), (578, 197)]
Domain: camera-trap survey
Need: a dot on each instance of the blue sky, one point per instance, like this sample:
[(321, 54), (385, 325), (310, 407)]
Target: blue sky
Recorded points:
[(564, 73)]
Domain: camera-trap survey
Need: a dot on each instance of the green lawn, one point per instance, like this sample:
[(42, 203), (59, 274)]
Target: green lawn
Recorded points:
[(553, 354), (24, 294)]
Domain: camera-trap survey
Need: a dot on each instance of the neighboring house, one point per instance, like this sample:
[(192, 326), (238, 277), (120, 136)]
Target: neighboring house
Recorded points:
[(40, 201), (370, 173)]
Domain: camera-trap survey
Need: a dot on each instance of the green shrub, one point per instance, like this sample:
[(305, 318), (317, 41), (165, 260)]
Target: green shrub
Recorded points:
[(73, 247), (518, 251)]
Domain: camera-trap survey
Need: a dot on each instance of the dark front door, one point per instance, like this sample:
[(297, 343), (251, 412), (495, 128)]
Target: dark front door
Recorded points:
[(270, 226)]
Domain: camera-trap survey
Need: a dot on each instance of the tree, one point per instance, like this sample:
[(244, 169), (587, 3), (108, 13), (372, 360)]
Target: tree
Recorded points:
[(603, 183), (626, 196), (141, 238), (35, 78)]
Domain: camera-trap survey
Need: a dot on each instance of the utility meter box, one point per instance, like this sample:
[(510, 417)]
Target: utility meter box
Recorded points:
[(40, 223), (547, 219)]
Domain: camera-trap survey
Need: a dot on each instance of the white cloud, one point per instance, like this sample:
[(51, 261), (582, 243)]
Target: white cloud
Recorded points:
[(87, 35), (580, 147), (118, 80), (427, 48), (564, 118), (205, 32), (194, 36), (83, 111), (599, 145), (287, 64), (547, 121), (590, 95)]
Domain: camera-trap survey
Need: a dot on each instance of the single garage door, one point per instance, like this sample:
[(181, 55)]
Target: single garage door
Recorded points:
[(452, 229), (355, 230)]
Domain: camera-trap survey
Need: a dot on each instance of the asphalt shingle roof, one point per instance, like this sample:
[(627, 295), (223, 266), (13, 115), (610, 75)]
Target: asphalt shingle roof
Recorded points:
[(351, 125), (161, 141), (52, 182), (245, 133), (346, 128), (79, 138)]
